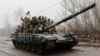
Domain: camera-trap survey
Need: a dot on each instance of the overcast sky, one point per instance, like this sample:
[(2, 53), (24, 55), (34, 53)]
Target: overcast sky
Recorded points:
[(47, 8)]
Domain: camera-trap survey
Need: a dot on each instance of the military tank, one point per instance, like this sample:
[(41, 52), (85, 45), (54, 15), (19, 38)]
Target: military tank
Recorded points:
[(45, 41)]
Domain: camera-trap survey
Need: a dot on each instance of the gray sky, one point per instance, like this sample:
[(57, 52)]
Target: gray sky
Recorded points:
[(37, 7), (47, 8)]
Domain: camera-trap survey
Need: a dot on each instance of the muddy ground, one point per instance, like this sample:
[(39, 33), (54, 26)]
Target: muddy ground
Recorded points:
[(7, 49)]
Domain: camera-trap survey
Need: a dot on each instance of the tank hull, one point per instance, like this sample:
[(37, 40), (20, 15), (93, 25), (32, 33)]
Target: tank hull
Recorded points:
[(41, 44)]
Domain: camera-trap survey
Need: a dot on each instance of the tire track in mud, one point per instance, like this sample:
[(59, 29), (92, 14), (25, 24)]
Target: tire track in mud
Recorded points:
[(3, 42), (2, 53)]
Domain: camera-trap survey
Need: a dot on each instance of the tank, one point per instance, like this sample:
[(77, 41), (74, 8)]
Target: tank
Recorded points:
[(44, 41)]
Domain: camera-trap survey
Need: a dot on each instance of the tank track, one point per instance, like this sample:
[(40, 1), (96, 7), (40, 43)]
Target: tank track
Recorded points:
[(39, 49)]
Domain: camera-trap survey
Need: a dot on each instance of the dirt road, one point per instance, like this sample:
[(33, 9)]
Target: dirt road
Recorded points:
[(7, 49)]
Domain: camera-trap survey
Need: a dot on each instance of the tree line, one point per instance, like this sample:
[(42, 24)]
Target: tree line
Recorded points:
[(86, 25)]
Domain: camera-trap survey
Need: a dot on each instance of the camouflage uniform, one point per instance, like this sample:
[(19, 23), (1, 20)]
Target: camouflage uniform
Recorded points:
[(35, 29), (19, 29), (36, 25), (48, 22), (31, 29), (25, 30), (25, 24), (39, 19), (34, 21)]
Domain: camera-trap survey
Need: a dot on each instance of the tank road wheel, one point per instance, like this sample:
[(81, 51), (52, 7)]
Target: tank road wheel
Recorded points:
[(28, 47), (41, 49), (23, 45), (50, 45), (33, 48), (14, 43), (20, 44)]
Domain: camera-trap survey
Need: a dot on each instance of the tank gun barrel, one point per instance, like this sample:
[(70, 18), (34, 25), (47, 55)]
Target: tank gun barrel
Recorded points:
[(71, 16)]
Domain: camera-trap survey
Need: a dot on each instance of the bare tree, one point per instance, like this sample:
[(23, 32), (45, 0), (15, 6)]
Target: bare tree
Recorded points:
[(87, 23)]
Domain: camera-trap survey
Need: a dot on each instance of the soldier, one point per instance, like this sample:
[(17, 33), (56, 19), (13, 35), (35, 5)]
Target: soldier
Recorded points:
[(25, 30), (34, 21), (44, 26), (31, 29), (35, 29), (25, 20), (22, 27), (52, 22), (39, 19), (28, 19), (28, 23), (17, 30), (42, 20), (52, 30), (40, 26), (25, 24), (45, 19), (48, 22)]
